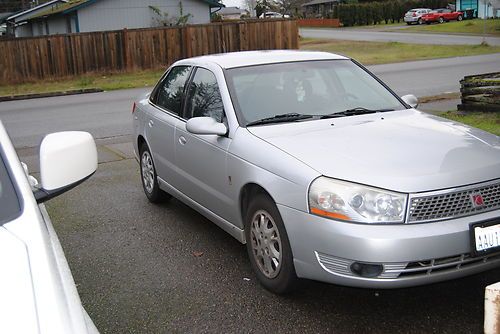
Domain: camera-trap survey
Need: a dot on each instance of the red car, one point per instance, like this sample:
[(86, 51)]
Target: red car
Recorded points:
[(441, 15)]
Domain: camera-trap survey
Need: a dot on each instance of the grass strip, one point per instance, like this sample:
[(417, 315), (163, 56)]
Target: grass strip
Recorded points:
[(487, 121), (370, 53), (490, 27)]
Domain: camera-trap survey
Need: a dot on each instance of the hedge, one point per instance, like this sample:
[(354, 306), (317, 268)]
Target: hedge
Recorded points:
[(375, 12)]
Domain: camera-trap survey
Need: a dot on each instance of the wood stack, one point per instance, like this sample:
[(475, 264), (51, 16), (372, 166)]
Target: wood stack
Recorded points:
[(480, 92)]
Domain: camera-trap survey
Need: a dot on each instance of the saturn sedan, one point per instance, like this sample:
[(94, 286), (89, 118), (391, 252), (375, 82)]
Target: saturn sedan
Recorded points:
[(321, 170)]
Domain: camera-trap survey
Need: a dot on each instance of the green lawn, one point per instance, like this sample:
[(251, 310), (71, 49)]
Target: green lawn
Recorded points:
[(488, 121), (392, 52), (111, 81), (476, 26)]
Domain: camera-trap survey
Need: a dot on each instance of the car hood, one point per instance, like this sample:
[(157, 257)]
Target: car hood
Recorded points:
[(406, 150), (17, 304)]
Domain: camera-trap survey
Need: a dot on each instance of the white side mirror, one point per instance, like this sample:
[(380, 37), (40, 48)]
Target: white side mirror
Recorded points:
[(410, 100), (205, 126), (66, 160)]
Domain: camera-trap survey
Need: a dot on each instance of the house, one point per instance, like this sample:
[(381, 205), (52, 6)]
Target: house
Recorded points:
[(17, 24), (320, 8), (72, 16), (482, 8), (232, 13)]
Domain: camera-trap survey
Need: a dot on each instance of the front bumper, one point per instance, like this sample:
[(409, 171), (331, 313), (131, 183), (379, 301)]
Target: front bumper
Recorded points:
[(411, 254)]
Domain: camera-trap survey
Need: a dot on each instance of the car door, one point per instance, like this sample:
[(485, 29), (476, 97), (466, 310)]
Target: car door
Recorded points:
[(163, 113), (201, 159)]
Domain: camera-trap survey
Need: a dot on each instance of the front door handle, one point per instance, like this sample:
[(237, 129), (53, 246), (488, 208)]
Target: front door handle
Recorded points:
[(151, 123), (182, 140)]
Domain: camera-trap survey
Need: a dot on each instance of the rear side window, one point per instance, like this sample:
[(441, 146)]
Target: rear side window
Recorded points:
[(170, 91), (204, 97)]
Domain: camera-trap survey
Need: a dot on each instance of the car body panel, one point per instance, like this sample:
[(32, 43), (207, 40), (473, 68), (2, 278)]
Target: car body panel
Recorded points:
[(412, 163)]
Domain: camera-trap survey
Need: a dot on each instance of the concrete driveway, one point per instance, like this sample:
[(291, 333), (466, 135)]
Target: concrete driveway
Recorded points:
[(357, 34)]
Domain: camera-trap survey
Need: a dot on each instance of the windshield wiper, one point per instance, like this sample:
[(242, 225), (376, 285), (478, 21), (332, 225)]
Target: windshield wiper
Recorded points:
[(290, 117), (354, 111)]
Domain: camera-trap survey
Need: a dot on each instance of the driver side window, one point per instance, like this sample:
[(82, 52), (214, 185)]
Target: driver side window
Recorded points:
[(203, 97)]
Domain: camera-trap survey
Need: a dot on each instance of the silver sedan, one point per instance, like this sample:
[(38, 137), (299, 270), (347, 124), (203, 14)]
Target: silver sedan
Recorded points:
[(321, 170)]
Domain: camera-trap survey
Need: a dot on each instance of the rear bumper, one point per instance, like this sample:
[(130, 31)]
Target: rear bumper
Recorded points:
[(411, 255), (411, 19)]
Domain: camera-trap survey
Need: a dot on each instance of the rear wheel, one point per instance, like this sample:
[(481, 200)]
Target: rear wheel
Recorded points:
[(149, 178), (268, 246)]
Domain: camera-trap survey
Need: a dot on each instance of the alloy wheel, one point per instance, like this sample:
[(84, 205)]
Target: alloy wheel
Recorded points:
[(266, 243), (147, 171)]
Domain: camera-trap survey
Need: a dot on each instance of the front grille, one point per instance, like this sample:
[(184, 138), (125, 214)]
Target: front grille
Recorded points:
[(434, 266), (340, 266), (453, 204)]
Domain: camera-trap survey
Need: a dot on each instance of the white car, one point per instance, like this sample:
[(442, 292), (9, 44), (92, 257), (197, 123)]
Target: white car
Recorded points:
[(273, 15), (415, 15), (37, 291)]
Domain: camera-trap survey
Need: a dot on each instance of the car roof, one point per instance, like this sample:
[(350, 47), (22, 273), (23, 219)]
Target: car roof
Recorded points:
[(250, 58)]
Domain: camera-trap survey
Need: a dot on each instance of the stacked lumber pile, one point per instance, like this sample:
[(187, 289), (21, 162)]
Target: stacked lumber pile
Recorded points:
[(480, 92)]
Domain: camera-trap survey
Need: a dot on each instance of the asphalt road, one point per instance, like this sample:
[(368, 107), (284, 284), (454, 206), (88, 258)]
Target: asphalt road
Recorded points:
[(136, 268), (356, 34)]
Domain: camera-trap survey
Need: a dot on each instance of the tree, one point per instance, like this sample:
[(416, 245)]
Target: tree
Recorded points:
[(162, 18)]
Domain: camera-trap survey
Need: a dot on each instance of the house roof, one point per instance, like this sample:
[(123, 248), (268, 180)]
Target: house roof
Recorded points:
[(231, 11), (73, 5), (34, 10), (318, 2)]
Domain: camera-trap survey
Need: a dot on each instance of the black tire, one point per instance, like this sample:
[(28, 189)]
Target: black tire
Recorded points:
[(460, 18), (408, 23), (285, 279), (152, 189), (441, 20), (419, 22)]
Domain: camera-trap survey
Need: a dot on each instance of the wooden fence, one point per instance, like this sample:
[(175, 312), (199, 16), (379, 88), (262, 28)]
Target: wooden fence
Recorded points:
[(480, 92), (57, 56)]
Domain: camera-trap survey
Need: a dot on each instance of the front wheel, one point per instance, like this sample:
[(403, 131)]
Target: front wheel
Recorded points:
[(460, 18), (441, 20), (268, 246), (420, 21), (149, 177)]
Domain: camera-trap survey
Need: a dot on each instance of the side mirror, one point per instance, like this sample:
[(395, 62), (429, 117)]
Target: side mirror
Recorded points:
[(410, 100), (205, 126), (66, 160)]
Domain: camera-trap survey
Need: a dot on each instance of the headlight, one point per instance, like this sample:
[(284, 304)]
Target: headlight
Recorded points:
[(354, 202)]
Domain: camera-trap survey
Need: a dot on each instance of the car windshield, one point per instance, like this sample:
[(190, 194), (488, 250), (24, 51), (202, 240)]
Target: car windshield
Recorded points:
[(9, 201), (288, 91)]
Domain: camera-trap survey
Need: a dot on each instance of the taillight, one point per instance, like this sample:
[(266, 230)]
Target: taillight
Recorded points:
[(133, 108)]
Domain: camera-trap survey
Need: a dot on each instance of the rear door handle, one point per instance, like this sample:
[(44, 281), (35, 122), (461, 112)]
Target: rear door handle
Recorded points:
[(182, 140), (151, 123)]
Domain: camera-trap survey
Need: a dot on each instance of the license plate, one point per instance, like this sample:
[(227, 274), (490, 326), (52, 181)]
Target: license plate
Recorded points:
[(486, 237)]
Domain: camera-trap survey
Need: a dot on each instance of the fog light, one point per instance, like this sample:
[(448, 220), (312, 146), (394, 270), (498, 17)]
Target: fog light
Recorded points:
[(366, 269)]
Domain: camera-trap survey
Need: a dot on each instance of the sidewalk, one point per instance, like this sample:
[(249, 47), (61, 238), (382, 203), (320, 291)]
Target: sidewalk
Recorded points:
[(439, 106)]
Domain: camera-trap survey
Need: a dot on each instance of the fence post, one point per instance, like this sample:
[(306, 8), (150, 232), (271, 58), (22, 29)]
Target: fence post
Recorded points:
[(125, 49)]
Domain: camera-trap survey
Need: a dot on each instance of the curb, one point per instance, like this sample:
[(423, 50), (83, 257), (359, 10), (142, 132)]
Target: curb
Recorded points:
[(51, 94)]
